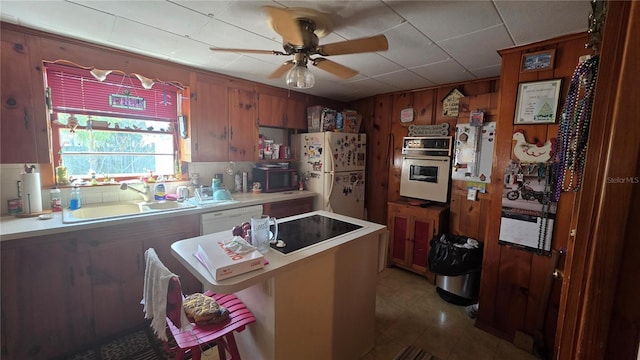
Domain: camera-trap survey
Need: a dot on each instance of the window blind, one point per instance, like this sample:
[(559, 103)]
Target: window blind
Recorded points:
[(75, 90)]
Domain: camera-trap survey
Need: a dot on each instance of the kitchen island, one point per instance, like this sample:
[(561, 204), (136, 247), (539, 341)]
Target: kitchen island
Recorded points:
[(317, 302)]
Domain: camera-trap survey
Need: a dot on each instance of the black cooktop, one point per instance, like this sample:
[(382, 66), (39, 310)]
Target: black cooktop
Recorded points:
[(300, 233)]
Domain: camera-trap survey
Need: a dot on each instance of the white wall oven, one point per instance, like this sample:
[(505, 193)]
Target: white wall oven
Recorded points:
[(426, 168)]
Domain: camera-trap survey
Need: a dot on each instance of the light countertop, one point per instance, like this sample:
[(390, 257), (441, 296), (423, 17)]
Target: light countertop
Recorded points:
[(12, 228), (183, 250)]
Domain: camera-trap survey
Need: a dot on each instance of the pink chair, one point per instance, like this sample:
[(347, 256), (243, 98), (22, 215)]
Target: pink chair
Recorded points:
[(221, 334)]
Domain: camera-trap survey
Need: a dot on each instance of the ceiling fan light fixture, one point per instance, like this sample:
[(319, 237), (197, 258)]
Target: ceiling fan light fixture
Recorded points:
[(300, 77)]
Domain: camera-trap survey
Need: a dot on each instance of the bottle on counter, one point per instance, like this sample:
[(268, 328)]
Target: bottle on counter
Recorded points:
[(160, 192), (75, 201), (56, 199)]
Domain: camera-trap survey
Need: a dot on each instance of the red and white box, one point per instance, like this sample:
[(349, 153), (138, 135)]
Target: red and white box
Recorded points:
[(223, 263)]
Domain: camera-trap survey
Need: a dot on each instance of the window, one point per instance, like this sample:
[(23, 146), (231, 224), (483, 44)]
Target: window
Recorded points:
[(114, 128)]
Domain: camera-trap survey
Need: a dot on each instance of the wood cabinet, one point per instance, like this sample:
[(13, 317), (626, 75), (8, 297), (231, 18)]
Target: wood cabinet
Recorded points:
[(64, 291), (243, 124), (411, 228), (282, 209), (24, 128), (223, 121), (210, 120), (297, 112), (272, 110), (282, 111), (46, 297)]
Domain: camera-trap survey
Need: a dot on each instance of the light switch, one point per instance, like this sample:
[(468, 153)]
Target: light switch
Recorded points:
[(472, 194)]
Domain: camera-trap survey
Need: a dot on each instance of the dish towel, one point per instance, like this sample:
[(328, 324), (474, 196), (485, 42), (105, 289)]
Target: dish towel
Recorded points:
[(154, 297)]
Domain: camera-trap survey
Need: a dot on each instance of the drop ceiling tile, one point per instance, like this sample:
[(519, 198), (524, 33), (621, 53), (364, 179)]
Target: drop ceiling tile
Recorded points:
[(444, 72), (441, 20), (62, 18), (465, 48), (208, 8), (145, 39), (487, 72), (162, 15), (408, 47), (197, 54), (354, 19), (369, 64), (220, 34), (404, 80), (250, 16), (531, 21)]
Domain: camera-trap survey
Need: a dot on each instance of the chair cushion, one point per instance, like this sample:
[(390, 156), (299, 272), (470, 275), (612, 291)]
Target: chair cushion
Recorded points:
[(204, 309)]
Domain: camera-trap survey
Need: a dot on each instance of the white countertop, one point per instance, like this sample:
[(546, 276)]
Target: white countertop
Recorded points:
[(183, 250), (12, 228)]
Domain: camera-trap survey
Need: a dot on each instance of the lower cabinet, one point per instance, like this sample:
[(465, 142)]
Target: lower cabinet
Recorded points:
[(282, 209), (62, 292), (411, 228)]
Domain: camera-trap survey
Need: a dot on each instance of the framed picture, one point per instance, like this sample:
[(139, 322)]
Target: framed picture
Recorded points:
[(537, 102), (536, 61)]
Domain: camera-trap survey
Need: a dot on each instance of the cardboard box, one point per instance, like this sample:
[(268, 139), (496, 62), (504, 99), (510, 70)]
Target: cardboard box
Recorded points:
[(223, 263), (328, 119), (314, 114), (351, 120)]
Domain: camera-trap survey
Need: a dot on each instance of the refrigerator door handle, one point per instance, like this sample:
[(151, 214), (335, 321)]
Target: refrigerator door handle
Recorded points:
[(327, 199)]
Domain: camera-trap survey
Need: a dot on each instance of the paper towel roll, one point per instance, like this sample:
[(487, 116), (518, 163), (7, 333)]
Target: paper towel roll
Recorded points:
[(31, 193)]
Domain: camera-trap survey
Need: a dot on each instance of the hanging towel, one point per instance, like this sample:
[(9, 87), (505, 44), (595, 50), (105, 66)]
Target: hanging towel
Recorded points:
[(154, 297)]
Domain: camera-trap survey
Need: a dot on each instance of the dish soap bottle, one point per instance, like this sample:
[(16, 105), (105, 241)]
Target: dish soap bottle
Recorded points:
[(75, 201), (160, 192)]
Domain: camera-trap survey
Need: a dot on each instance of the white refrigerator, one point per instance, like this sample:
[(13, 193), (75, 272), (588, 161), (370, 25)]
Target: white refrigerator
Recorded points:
[(332, 165)]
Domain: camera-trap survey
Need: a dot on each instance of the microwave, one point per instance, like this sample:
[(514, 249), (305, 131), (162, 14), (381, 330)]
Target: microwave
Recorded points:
[(275, 179)]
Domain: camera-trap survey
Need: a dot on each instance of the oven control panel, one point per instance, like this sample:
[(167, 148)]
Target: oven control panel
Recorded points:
[(431, 146)]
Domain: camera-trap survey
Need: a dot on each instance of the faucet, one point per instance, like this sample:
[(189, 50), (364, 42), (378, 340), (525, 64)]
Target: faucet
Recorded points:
[(145, 192)]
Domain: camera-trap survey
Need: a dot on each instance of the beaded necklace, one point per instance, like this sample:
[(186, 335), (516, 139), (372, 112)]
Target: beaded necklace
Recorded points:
[(573, 131)]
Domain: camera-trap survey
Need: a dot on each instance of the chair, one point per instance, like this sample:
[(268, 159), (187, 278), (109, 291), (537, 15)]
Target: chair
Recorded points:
[(222, 334)]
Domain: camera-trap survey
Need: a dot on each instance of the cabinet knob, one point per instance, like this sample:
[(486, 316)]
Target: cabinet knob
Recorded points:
[(19, 48), (11, 102)]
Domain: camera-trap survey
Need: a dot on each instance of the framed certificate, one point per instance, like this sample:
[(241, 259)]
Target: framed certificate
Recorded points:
[(537, 102)]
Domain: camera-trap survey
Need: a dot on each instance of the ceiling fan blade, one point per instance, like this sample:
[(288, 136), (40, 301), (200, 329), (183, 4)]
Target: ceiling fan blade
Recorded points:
[(282, 69), (249, 51), (285, 24), (333, 67), (374, 43)]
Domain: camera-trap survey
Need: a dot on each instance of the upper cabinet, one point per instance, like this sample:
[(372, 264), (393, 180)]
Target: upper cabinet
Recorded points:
[(282, 110), (210, 120), (23, 110), (243, 124)]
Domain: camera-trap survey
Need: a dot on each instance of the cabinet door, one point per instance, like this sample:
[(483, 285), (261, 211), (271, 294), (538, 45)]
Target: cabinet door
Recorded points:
[(19, 121), (271, 110), (284, 209), (422, 234), (175, 229), (46, 298), (296, 114), (210, 121), (117, 273), (399, 226), (243, 134)]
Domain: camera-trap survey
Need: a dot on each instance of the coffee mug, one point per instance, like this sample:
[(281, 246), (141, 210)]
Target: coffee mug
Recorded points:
[(182, 192), (261, 236)]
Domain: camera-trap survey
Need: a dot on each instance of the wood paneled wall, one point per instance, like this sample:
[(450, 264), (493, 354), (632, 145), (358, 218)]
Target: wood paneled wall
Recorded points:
[(513, 280), (381, 123)]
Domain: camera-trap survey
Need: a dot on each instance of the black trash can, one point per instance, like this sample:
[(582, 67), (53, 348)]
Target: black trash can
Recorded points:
[(457, 264)]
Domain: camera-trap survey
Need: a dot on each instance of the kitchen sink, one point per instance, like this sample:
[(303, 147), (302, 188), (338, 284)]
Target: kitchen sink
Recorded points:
[(120, 209)]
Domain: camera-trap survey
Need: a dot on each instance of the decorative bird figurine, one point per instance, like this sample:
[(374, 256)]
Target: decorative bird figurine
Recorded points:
[(532, 153)]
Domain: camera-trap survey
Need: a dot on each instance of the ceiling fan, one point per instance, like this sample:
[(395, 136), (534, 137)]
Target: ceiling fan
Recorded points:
[(300, 29)]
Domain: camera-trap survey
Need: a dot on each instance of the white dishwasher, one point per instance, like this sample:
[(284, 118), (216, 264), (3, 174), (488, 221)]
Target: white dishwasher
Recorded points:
[(226, 219)]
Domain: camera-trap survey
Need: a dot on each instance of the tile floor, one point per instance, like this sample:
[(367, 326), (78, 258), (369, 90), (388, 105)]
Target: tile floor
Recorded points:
[(410, 312)]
